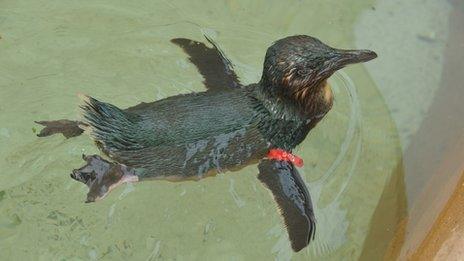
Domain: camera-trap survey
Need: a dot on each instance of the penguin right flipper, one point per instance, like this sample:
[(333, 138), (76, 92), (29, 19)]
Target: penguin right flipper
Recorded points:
[(213, 65), (292, 198)]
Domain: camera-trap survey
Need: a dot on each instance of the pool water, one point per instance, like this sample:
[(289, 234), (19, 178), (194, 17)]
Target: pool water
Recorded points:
[(120, 52)]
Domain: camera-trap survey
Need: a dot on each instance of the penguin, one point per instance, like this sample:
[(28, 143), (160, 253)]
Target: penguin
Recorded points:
[(225, 128)]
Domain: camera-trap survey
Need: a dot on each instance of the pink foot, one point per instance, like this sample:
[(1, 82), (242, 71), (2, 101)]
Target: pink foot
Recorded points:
[(101, 176)]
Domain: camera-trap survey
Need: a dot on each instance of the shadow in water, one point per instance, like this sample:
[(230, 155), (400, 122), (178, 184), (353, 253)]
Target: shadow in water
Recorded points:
[(390, 212)]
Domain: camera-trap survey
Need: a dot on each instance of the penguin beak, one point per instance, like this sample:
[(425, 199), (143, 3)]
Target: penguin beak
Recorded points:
[(337, 59), (345, 57)]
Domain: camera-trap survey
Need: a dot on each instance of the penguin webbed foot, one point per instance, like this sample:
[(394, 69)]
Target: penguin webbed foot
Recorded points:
[(101, 176), (68, 128)]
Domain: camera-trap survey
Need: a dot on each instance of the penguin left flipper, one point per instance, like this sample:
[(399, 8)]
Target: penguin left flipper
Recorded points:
[(292, 198), (216, 69), (212, 64)]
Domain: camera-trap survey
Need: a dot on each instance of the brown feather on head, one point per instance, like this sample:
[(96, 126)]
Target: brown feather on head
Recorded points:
[(298, 66)]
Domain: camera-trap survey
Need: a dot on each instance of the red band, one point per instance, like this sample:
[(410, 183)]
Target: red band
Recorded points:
[(279, 154)]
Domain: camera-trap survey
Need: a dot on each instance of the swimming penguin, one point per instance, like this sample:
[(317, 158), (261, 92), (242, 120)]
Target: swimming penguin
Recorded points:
[(227, 127)]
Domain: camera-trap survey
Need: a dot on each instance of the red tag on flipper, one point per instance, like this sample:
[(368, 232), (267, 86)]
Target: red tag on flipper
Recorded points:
[(279, 154)]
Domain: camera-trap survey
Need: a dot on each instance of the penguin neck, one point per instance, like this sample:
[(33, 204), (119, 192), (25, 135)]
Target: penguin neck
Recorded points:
[(310, 102)]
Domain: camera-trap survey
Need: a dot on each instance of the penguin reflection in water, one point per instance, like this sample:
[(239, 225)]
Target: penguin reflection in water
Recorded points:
[(226, 127)]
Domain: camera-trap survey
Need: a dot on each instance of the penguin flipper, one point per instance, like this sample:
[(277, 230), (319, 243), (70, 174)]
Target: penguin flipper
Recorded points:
[(292, 198), (212, 64)]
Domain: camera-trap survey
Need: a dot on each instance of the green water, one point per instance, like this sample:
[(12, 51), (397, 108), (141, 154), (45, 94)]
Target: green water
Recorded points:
[(119, 51)]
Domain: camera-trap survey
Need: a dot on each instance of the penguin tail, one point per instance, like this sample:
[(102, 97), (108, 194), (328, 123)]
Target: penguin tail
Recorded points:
[(112, 128)]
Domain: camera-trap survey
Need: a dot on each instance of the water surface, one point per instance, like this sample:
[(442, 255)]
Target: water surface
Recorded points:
[(120, 52)]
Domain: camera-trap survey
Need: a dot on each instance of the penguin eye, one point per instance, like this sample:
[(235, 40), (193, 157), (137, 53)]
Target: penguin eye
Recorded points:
[(304, 71)]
